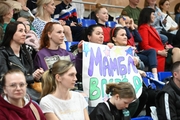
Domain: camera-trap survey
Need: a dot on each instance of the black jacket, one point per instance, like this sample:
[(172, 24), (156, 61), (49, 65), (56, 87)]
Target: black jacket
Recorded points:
[(8, 60), (168, 105), (102, 112)]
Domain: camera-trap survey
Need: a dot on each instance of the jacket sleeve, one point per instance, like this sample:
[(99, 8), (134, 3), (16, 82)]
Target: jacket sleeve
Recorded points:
[(3, 64), (136, 35), (143, 31)]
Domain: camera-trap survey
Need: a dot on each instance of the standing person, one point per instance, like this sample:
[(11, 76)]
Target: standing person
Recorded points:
[(67, 15), (45, 8), (49, 51), (58, 102), (6, 16), (15, 103), (168, 98), (152, 40), (102, 18), (132, 11), (13, 54), (122, 94), (169, 24), (158, 17), (177, 13)]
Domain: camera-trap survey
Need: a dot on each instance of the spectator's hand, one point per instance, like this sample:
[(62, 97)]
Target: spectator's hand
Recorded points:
[(142, 73), (122, 21), (62, 22), (136, 61), (80, 46), (38, 74), (25, 8), (163, 53), (132, 24), (164, 22), (110, 45), (73, 24), (31, 39)]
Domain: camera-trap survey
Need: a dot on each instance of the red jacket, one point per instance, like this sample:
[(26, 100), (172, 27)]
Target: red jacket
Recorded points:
[(151, 39)]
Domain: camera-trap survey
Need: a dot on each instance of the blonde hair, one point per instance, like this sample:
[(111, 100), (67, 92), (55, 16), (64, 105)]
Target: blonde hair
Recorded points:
[(123, 89), (4, 9), (48, 79), (40, 5)]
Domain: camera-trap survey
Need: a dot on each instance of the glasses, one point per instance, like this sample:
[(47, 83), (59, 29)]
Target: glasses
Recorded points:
[(15, 85)]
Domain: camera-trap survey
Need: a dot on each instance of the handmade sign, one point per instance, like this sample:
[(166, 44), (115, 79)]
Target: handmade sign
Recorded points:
[(102, 65)]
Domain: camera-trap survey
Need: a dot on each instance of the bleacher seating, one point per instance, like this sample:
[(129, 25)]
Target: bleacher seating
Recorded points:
[(111, 24), (142, 118), (87, 22), (69, 44)]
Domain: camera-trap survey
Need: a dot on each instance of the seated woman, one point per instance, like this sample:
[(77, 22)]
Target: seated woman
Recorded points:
[(58, 102), (152, 40), (122, 94), (15, 104), (49, 52), (168, 23), (13, 54), (177, 13)]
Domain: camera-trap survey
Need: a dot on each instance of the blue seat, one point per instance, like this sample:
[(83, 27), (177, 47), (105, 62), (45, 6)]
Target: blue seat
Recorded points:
[(142, 118), (69, 44), (111, 24), (163, 75), (87, 22)]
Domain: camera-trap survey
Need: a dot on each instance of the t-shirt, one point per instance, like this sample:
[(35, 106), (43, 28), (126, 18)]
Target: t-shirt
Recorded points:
[(132, 13), (46, 57), (72, 109)]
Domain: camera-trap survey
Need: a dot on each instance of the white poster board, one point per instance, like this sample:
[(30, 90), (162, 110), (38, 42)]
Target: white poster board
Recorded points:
[(102, 65)]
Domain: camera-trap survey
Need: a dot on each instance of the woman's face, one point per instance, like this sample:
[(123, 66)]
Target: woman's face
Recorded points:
[(165, 6), (57, 35), (102, 15), (152, 17), (69, 79), (19, 36), (50, 7), (121, 38), (122, 103), (97, 36), (9, 14), (15, 86)]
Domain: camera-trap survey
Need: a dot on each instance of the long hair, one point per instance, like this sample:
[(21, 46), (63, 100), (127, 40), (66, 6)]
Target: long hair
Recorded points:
[(40, 4), (123, 89), (9, 33), (4, 9), (161, 2), (44, 40), (145, 16), (48, 79), (177, 6)]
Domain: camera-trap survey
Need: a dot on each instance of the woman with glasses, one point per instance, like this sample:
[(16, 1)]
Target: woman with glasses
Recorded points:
[(13, 54), (122, 94), (15, 104), (58, 102)]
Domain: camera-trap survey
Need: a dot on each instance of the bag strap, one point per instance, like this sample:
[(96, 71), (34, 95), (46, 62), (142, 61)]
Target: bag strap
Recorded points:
[(107, 105), (35, 111)]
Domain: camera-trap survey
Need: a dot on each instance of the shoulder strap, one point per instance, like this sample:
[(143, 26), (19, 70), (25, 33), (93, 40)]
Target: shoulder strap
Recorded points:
[(35, 111)]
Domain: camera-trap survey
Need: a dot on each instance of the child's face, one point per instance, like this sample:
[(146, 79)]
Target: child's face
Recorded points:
[(127, 21)]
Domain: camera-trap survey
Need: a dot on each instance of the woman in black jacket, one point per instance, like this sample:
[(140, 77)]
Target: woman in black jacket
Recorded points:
[(14, 55)]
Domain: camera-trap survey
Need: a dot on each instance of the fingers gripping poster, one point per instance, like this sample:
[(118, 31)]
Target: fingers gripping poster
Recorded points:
[(102, 65)]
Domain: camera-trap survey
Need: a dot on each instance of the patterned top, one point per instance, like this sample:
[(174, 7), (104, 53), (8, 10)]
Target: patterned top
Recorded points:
[(39, 24)]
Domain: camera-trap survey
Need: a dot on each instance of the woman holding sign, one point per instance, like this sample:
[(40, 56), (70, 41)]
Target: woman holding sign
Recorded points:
[(122, 94)]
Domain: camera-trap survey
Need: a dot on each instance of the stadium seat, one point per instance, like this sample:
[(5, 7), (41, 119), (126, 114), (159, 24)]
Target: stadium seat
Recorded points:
[(111, 24), (142, 118), (163, 75), (87, 22), (69, 44)]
